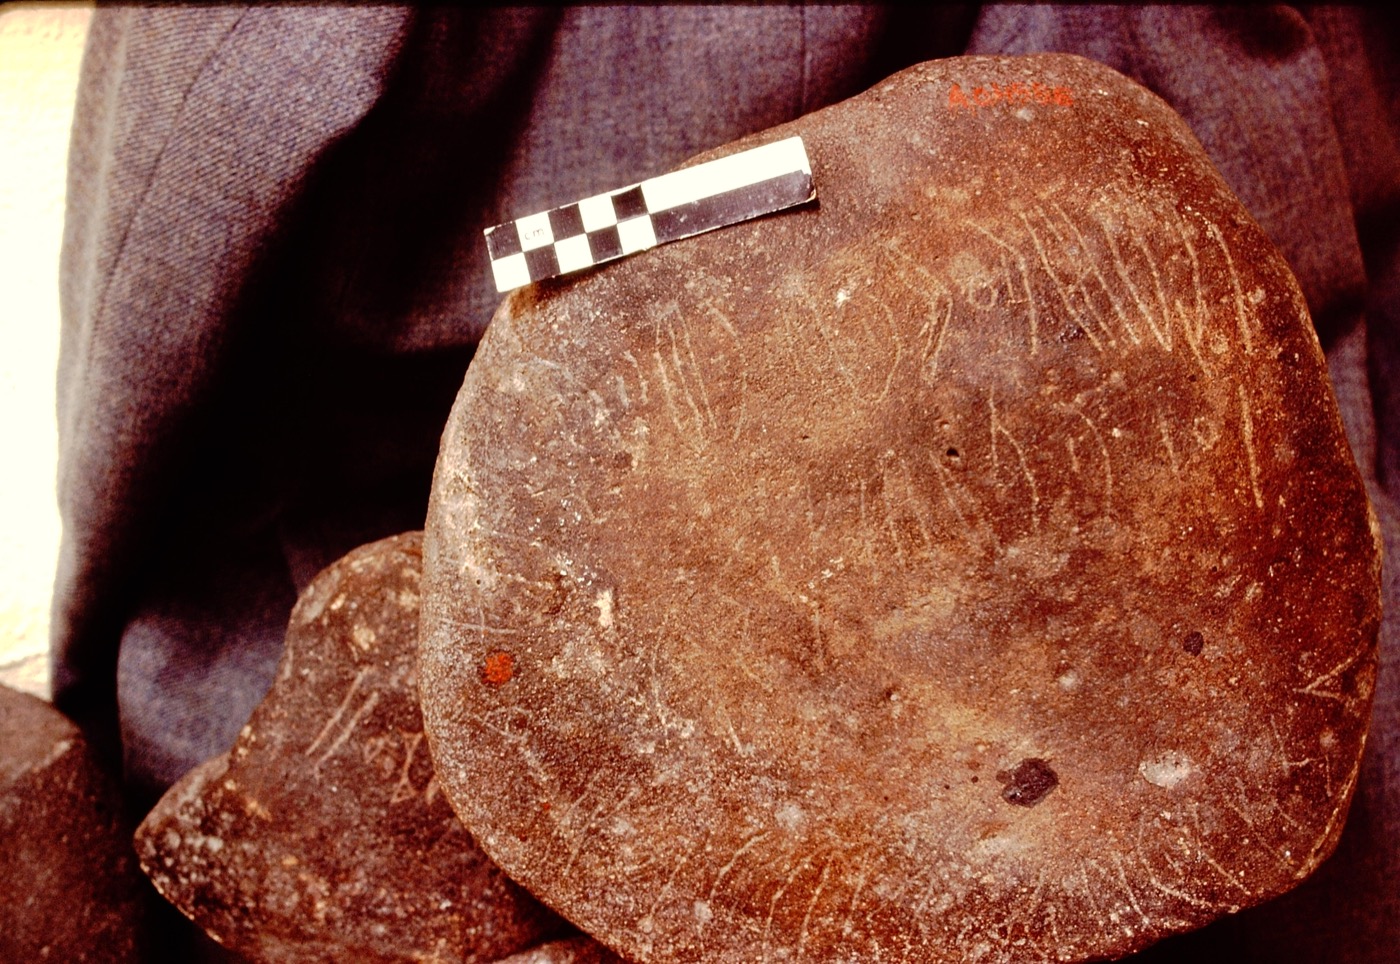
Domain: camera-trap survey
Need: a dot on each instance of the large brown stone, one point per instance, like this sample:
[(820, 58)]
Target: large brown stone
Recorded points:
[(322, 835), (69, 886), (970, 567)]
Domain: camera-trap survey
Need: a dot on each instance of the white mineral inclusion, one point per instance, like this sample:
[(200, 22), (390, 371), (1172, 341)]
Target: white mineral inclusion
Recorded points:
[(604, 602), (790, 816), (1167, 770)]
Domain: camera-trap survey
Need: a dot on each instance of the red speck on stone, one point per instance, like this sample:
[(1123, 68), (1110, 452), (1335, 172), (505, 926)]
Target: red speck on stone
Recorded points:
[(498, 668)]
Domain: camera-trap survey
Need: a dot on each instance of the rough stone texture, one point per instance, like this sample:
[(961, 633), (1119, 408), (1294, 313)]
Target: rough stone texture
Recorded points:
[(69, 886), (322, 835), (971, 567), (570, 950)]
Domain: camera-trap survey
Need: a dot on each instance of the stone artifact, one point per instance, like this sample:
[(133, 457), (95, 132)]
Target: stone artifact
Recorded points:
[(69, 886), (968, 567), (322, 835)]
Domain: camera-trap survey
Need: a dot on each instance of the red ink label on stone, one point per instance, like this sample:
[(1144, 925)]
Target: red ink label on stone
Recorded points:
[(994, 95), (498, 669)]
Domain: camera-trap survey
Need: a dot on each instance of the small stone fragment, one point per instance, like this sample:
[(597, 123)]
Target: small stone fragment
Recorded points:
[(70, 889), (322, 834)]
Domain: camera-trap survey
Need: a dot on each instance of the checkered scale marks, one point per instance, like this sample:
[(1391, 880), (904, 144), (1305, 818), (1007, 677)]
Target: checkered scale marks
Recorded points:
[(666, 208)]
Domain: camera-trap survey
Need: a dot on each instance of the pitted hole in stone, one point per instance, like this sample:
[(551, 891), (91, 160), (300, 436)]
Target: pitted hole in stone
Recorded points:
[(1193, 643), (1028, 783)]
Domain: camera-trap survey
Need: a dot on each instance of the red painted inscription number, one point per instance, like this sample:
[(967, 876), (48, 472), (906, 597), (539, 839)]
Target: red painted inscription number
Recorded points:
[(994, 94)]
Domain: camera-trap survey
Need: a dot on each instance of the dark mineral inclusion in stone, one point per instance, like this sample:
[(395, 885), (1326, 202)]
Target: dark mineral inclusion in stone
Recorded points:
[(1029, 783)]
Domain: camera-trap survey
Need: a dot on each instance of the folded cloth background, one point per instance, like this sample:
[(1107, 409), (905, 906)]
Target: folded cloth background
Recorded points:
[(273, 280)]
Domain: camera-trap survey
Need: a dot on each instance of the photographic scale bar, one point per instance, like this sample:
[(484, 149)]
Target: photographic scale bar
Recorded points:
[(678, 205)]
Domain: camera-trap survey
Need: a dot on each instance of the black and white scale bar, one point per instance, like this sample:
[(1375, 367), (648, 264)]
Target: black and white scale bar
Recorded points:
[(666, 208)]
